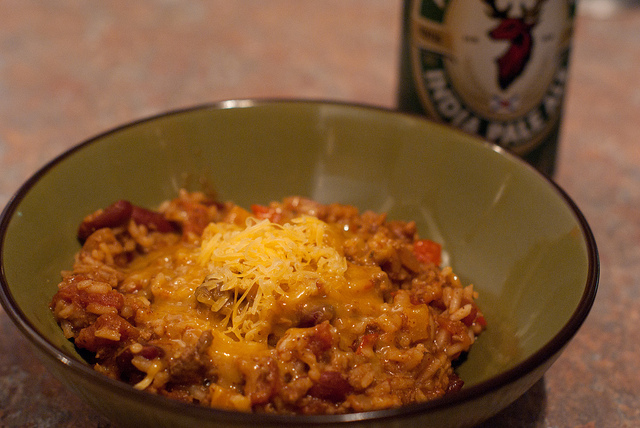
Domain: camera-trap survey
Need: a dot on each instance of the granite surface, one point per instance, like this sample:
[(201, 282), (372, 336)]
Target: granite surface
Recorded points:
[(69, 70)]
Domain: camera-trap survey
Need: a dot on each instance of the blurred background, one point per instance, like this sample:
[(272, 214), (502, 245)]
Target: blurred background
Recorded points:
[(70, 70)]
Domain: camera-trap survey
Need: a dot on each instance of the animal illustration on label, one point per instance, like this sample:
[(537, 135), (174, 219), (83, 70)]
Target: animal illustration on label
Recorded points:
[(518, 31)]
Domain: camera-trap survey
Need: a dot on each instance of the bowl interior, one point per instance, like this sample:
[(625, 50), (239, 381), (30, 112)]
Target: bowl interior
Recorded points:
[(503, 227)]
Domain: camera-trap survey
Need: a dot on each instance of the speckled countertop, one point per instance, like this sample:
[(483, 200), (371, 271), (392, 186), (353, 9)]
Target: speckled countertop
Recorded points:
[(69, 70)]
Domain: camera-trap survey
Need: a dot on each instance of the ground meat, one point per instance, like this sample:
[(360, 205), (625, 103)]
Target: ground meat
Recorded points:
[(262, 379), (192, 364), (109, 331)]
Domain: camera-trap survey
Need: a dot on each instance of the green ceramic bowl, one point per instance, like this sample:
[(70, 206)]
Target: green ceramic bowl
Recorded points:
[(504, 227)]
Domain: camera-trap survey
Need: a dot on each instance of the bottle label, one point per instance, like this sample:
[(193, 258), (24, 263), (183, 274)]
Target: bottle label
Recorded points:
[(495, 68)]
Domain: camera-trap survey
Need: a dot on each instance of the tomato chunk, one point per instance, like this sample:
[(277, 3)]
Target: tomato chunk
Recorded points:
[(428, 251), (260, 211), (274, 214)]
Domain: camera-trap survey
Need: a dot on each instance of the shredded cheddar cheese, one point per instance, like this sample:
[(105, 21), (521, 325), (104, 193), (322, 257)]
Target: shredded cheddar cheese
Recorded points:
[(255, 268)]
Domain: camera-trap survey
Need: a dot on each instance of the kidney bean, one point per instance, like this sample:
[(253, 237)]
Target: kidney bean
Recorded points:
[(151, 219), (151, 351), (118, 214), (313, 314), (114, 215), (330, 386)]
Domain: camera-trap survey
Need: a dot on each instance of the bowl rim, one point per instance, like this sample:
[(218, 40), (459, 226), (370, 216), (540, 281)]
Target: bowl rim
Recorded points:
[(547, 352)]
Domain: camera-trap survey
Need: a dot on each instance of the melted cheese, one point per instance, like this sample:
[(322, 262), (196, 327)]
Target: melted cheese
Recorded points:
[(256, 268)]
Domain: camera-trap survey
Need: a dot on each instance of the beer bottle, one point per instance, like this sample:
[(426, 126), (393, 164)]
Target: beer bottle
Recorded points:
[(493, 68)]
